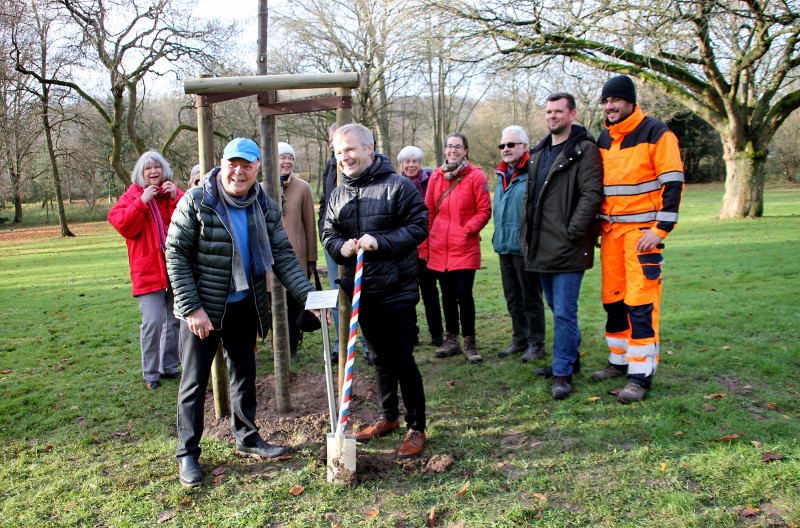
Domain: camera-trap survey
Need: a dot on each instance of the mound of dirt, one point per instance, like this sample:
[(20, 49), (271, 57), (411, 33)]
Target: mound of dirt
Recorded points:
[(308, 423)]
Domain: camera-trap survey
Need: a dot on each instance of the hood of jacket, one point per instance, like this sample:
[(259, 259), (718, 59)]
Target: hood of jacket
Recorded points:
[(576, 135)]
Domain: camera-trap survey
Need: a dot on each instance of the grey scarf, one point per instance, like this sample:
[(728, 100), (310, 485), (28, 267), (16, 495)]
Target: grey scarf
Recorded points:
[(260, 250)]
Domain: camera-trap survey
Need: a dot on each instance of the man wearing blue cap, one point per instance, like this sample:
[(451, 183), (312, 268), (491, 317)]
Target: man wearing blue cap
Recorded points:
[(225, 237)]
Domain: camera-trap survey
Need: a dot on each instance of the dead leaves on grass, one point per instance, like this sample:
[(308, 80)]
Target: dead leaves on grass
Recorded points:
[(771, 457), (297, 490)]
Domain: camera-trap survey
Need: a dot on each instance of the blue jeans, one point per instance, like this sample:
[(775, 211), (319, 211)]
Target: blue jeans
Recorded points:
[(561, 291)]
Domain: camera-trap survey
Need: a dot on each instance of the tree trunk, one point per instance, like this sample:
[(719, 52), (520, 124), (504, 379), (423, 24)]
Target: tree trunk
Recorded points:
[(116, 138), (744, 181), (48, 134), (14, 176)]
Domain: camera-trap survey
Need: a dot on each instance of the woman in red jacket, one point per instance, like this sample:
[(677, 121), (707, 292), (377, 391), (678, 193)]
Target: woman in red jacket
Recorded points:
[(142, 215), (459, 205)]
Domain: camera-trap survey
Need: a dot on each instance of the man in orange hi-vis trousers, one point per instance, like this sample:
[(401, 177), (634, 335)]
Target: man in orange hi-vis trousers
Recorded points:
[(643, 185)]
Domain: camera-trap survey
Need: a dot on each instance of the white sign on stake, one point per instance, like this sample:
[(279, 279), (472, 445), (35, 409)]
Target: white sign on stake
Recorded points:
[(322, 299)]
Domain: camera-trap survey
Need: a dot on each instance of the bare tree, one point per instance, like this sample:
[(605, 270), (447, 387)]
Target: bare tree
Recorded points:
[(354, 35), (19, 129), (131, 39), (731, 62)]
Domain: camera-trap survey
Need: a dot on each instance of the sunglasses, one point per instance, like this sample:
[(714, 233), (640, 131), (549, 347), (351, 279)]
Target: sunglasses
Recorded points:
[(512, 144)]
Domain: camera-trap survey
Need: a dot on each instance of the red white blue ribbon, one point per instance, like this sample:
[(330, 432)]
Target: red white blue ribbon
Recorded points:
[(351, 346)]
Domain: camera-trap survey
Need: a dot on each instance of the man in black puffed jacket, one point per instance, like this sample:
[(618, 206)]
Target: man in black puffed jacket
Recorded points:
[(381, 212)]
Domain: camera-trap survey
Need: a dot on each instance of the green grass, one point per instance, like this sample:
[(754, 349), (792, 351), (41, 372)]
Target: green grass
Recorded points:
[(730, 317)]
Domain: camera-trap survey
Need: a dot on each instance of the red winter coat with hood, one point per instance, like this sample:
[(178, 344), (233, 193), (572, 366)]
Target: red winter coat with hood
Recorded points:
[(454, 242), (132, 218)]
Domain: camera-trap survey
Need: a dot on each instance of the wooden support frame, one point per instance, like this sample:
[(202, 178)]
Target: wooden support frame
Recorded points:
[(276, 95)]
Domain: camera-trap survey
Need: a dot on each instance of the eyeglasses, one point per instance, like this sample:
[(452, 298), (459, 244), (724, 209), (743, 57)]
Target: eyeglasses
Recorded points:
[(454, 147), (511, 144)]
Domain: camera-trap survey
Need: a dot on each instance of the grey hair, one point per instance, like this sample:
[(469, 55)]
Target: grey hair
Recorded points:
[(363, 134), (410, 152), (149, 157), (517, 131), (333, 127)]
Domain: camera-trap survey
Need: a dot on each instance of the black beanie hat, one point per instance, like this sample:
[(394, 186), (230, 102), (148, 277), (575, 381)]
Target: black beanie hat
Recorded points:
[(620, 86)]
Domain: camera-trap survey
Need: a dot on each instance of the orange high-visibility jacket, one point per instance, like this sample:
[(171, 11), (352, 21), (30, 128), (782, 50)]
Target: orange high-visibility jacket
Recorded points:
[(642, 175)]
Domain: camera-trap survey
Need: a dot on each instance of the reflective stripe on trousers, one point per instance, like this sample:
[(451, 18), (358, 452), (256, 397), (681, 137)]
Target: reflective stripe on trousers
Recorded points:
[(631, 295)]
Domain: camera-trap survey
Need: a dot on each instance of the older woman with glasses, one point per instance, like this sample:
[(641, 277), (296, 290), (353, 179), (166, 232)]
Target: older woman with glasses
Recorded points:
[(459, 206), (409, 161), (142, 215)]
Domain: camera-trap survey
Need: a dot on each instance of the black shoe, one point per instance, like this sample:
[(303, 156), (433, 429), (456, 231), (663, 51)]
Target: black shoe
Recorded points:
[(368, 357), (261, 450), (513, 349), (171, 375), (562, 387), (334, 358), (151, 385), (189, 472), (534, 352), (437, 341), (547, 371)]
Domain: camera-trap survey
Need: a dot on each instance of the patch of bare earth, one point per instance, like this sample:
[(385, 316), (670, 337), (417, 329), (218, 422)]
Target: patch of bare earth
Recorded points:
[(308, 424)]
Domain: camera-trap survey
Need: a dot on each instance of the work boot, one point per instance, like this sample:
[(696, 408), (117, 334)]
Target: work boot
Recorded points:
[(547, 371), (532, 353), (513, 349), (412, 444), (451, 346), (471, 350), (379, 428), (633, 392), (562, 387), (611, 371)]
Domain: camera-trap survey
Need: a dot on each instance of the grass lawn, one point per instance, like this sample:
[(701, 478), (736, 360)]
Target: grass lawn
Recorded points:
[(83, 444)]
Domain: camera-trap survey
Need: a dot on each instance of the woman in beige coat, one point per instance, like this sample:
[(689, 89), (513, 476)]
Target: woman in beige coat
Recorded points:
[(299, 221)]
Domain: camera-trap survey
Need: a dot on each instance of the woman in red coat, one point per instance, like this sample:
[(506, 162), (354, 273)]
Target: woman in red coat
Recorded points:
[(142, 215), (459, 205)]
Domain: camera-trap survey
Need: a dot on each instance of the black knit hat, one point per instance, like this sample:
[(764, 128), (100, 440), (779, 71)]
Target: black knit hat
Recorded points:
[(620, 86)]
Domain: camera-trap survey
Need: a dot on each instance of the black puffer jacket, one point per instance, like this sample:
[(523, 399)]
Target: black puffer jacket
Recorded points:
[(557, 234), (329, 176), (387, 206), (199, 255)]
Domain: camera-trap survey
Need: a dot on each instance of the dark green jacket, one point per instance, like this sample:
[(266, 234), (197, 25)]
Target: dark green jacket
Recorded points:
[(557, 233), (199, 255)]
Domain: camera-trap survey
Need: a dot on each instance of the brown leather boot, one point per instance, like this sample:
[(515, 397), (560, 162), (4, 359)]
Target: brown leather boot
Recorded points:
[(412, 444), (451, 346), (471, 349), (379, 428)]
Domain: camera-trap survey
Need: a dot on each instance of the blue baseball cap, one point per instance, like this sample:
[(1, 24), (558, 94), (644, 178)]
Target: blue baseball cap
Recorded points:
[(242, 148)]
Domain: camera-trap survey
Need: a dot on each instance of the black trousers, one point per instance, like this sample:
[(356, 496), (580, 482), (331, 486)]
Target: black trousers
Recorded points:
[(293, 308), (523, 292), (238, 335), (430, 298), (457, 301), (390, 334)]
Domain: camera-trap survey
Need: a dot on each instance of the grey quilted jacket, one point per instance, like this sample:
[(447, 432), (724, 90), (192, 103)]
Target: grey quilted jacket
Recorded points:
[(199, 255)]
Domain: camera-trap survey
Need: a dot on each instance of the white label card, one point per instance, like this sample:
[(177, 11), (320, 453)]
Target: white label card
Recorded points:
[(322, 299)]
